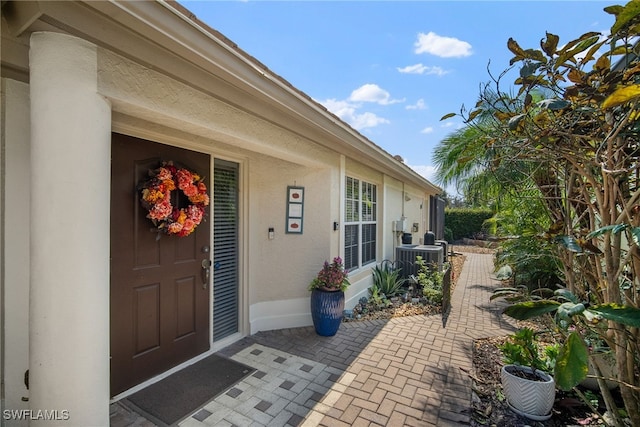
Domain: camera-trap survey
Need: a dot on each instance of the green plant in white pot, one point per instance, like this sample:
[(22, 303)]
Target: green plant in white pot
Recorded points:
[(566, 311), (528, 386)]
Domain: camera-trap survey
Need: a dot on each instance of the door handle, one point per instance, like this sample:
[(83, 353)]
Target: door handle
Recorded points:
[(205, 272)]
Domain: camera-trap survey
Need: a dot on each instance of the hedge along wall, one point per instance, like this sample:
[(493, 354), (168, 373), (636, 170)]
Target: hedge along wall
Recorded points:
[(464, 222)]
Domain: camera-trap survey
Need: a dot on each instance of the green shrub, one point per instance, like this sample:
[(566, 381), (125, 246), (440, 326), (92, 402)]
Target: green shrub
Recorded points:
[(533, 261), (430, 277), (448, 235), (465, 222), (433, 295)]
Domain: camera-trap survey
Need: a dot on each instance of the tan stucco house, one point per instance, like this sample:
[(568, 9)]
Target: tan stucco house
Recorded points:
[(96, 301)]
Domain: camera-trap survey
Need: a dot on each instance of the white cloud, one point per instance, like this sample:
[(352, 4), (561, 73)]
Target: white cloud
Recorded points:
[(444, 47), (428, 129), (452, 124), (413, 69), (347, 109), (427, 171), (373, 93), (419, 105), (339, 108), (423, 69), (348, 112), (367, 120)]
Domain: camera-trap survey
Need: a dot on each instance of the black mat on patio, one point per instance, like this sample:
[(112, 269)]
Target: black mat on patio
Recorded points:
[(182, 393)]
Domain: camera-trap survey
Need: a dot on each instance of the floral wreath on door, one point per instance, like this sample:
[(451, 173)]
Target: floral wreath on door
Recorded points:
[(160, 197)]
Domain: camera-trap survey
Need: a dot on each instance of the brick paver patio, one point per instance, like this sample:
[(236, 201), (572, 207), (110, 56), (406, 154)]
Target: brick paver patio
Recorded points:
[(407, 371)]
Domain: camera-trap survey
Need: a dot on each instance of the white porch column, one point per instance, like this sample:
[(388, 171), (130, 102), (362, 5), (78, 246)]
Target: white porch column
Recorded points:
[(70, 181)]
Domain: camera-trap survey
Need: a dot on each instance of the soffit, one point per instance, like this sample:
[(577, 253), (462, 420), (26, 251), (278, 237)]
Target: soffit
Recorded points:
[(165, 37)]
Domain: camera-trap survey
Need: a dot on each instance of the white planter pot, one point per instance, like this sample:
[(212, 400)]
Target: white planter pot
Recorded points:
[(529, 398)]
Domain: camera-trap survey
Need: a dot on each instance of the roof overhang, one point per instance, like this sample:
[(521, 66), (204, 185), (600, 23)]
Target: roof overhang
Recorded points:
[(167, 38)]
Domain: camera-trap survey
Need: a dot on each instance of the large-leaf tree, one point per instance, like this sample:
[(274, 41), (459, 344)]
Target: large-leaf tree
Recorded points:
[(571, 129)]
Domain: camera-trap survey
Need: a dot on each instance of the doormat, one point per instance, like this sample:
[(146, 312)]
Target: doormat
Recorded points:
[(182, 393)]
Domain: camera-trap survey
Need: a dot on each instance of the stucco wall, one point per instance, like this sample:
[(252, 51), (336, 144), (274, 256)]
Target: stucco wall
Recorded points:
[(403, 201), (282, 268), (281, 300), (416, 209), (15, 242), (393, 212), (356, 169)]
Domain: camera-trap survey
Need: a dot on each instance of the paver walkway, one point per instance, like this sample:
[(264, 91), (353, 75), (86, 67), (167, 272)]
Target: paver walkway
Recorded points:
[(407, 371)]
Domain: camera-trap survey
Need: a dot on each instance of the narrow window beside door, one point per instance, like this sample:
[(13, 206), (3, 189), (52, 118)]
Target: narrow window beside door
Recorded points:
[(225, 249)]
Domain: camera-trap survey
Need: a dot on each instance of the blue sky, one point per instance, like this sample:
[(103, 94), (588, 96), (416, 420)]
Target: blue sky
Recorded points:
[(392, 69)]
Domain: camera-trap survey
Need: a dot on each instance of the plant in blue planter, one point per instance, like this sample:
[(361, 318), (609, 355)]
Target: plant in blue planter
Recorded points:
[(327, 297)]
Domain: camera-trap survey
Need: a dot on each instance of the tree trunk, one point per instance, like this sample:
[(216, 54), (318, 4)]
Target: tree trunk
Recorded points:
[(629, 396)]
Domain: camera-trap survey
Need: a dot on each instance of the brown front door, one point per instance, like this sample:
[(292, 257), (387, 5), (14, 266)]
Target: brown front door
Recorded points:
[(159, 289)]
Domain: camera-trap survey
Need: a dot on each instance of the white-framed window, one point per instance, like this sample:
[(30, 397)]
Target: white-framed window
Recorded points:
[(360, 228)]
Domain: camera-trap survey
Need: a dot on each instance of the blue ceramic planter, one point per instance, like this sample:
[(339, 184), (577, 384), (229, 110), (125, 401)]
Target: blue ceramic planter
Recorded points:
[(326, 311)]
